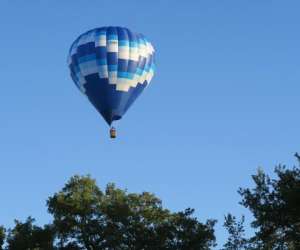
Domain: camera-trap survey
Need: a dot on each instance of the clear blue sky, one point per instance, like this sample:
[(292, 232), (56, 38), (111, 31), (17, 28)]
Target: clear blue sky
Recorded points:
[(225, 100)]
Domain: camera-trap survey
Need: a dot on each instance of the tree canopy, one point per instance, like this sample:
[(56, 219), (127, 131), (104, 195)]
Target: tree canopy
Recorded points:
[(85, 217), (88, 218), (114, 219), (275, 206), (26, 235)]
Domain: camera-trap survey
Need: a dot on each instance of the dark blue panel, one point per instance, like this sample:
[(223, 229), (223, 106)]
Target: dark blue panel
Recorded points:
[(101, 52), (135, 92), (112, 104), (112, 58), (122, 65), (122, 33), (100, 30), (132, 65), (86, 49), (111, 32)]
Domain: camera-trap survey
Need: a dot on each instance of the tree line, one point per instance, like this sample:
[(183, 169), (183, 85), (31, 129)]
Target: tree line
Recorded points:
[(86, 217)]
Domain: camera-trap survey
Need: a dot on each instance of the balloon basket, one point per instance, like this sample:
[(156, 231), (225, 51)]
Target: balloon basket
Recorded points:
[(113, 133)]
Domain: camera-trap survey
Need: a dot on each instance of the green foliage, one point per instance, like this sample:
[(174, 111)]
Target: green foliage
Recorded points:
[(2, 236), (275, 204), (28, 236), (75, 212), (87, 218), (114, 219), (236, 231)]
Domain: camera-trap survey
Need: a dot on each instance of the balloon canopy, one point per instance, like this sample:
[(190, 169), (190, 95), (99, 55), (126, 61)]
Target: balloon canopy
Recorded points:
[(111, 66)]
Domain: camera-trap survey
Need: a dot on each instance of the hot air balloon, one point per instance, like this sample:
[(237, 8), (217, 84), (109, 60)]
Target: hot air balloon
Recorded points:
[(111, 66)]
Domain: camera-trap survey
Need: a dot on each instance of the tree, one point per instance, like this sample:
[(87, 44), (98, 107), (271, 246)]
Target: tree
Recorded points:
[(2, 237), (236, 231), (88, 218), (275, 205), (28, 236)]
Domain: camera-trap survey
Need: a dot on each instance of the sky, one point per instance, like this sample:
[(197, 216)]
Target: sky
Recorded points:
[(224, 101)]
